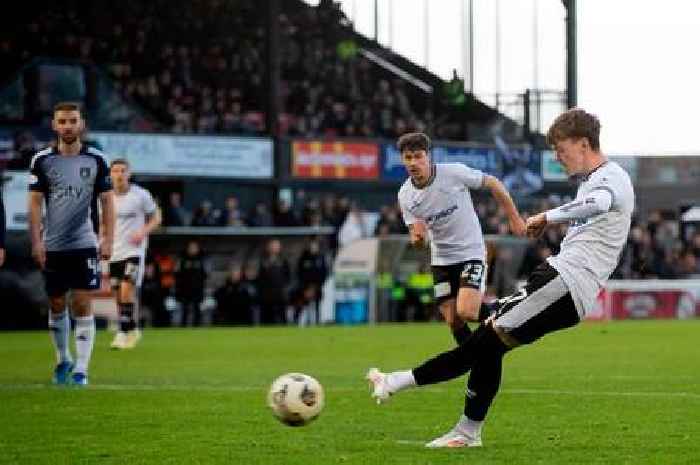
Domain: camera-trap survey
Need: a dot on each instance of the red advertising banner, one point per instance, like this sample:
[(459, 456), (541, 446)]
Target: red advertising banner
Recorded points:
[(335, 160), (620, 304)]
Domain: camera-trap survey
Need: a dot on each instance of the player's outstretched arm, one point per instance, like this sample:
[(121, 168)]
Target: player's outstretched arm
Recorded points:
[(108, 218), (500, 193), (596, 202)]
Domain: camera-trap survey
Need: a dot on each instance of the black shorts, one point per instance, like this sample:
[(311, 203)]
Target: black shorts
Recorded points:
[(448, 279), (130, 269), (543, 305), (71, 269)]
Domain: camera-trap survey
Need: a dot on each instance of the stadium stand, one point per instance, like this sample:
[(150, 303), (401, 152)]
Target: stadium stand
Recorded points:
[(206, 75)]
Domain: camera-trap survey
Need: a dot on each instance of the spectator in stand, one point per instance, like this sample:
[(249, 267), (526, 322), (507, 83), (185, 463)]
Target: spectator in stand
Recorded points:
[(205, 215), (175, 214), (234, 300), (153, 297), (688, 265), (305, 305), (190, 282), (261, 217), (312, 271), (166, 266), (250, 284), (274, 276), (284, 215), (232, 214), (24, 148), (389, 217), (695, 245)]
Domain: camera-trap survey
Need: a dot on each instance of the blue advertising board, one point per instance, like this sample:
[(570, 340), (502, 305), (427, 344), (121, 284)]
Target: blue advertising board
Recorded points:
[(480, 158), (518, 167)]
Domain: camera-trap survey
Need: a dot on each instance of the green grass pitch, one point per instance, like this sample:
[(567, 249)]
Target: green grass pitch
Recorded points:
[(609, 393)]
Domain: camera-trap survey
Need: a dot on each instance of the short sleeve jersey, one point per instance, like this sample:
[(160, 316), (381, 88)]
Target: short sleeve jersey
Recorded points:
[(71, 185), (592, 247), (132, 208), (445, 205)]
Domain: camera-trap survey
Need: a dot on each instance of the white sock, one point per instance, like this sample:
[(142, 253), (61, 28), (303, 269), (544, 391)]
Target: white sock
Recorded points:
[(59, 326), (84, 340), (399, 380), (470, 427)]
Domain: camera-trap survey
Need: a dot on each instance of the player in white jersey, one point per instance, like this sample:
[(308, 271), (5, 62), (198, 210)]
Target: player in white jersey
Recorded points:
[(137, 216), (435, 201), (557, 294)]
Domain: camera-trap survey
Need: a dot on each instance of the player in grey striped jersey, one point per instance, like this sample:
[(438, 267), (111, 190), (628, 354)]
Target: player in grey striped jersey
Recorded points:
[(70, 179), (557, 294)]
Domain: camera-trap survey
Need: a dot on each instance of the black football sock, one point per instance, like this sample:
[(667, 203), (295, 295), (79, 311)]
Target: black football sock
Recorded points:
[(126, 317), (482, 387), (456, 362)]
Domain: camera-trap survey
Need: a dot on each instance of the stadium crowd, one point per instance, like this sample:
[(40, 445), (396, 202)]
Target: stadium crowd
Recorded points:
[(199, 67)]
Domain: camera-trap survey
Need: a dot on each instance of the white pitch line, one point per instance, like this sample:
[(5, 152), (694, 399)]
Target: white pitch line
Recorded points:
[(239, 388), (409, 442)]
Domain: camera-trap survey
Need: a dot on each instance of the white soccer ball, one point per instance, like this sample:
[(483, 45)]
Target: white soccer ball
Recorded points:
[(295, 399)]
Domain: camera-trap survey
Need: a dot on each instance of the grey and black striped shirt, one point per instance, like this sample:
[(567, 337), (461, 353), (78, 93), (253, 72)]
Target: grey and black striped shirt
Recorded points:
[(71, 185)]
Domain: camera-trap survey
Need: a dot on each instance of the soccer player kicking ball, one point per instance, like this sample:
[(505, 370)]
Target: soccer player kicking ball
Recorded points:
[(435, 201), (137, 216), (557, 293), (70, 178)]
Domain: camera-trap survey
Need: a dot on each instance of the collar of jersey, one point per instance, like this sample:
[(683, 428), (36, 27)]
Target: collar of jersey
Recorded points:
[(433, 171), (83, 151), (579, 178)]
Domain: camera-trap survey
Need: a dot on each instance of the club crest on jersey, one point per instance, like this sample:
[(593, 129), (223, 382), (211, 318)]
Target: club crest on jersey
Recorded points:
[(85, 172), (53, 174), (415, 203)]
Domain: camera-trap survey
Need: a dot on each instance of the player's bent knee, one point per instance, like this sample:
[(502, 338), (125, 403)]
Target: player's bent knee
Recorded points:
[(505, 338)]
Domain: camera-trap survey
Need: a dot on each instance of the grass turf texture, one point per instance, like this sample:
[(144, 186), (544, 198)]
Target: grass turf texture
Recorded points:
[(618, 393)]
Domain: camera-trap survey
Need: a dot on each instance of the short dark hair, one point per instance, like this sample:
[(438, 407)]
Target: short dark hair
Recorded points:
[(413, 141), (68, 106), (575, 123), (119, 161)]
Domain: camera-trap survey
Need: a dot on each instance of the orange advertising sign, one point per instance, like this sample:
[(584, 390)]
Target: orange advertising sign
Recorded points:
[(335, 160)]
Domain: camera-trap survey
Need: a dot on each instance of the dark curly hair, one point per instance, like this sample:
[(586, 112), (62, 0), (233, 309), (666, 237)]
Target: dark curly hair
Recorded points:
[(575, 123)]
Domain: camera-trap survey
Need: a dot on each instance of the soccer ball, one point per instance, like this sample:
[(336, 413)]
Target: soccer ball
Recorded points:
[(296, 399)]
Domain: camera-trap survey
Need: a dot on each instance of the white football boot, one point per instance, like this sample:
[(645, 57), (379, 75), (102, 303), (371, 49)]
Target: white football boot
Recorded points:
[(455, 438), (378, 383), (119, 341), (132, 338)]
